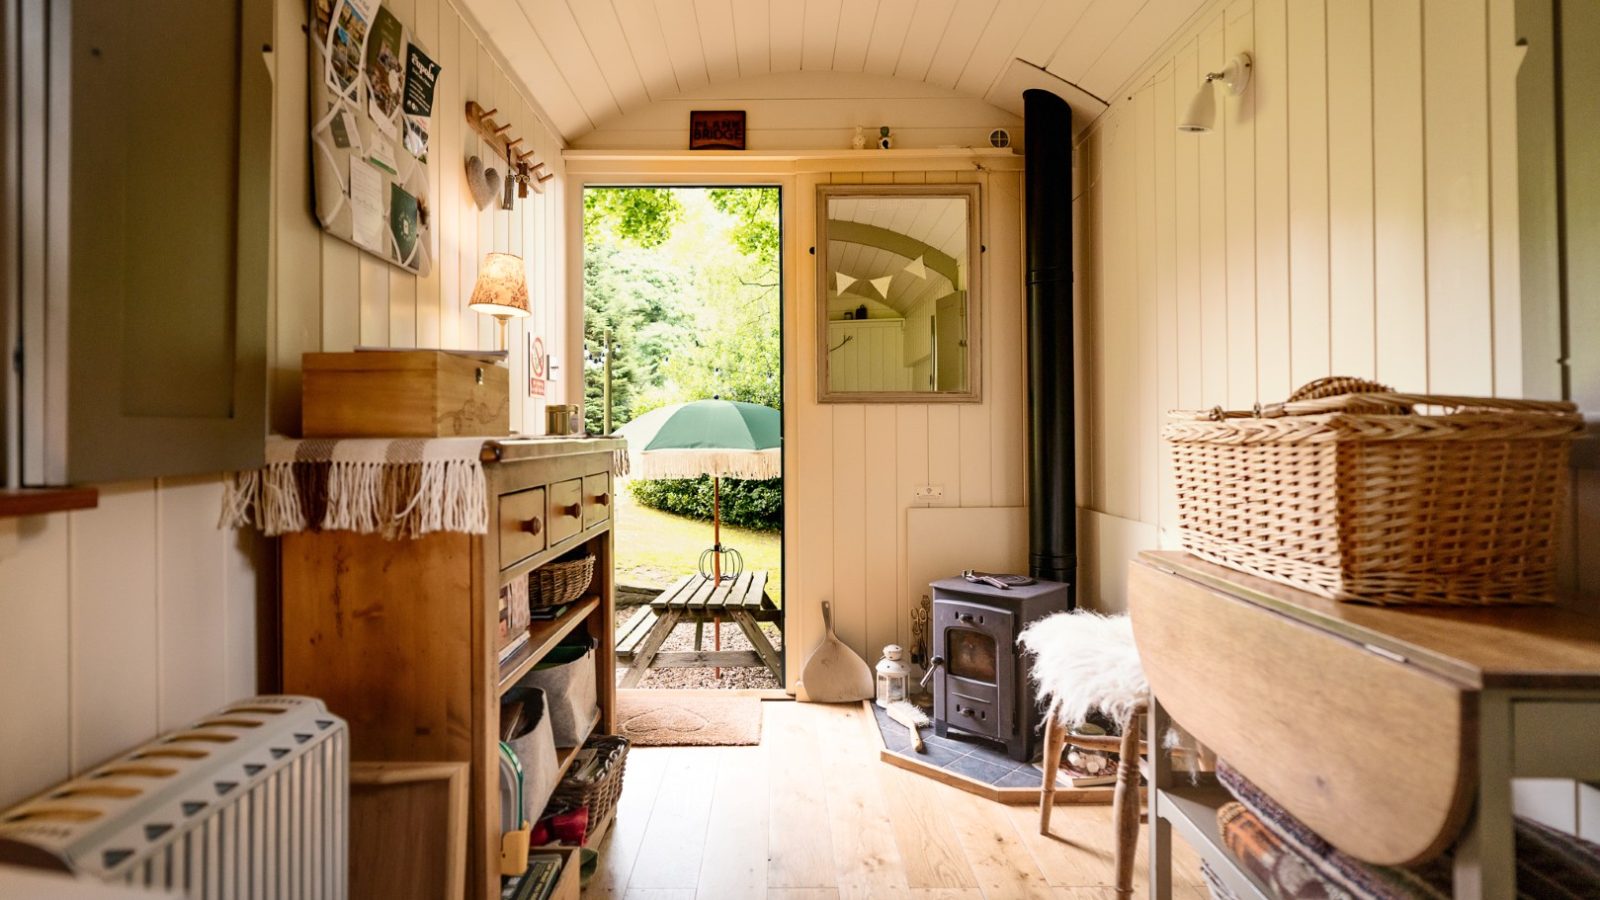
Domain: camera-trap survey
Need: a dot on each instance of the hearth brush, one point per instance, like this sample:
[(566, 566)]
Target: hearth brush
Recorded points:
[(908, 714)]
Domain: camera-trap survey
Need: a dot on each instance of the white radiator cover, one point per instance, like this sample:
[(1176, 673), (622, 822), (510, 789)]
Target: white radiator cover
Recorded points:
[(249, 802)]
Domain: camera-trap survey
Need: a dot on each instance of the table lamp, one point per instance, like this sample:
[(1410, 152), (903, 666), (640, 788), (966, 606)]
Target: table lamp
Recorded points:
[(501, 291)]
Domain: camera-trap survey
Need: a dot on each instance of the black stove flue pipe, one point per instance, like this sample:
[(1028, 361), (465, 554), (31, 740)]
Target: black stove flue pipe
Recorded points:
[(1052, 476)]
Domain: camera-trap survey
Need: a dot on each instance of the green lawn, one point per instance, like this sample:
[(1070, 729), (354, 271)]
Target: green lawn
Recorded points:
[(655, 548)]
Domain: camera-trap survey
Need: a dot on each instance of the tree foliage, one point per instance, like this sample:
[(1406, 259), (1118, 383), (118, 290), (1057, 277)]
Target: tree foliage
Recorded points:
[(687, 283), (642, 216)]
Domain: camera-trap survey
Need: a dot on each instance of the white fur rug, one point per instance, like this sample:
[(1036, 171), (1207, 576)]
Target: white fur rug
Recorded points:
[(1084, 661)]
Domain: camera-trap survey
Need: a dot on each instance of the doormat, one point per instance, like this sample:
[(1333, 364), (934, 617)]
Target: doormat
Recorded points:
[(689, 718)]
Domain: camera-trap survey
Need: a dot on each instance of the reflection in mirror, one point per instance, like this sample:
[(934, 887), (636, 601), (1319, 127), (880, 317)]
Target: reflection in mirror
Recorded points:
[(895, 275)]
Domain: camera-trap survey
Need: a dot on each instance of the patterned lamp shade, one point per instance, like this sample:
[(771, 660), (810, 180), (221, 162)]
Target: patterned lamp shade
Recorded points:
[(502, 287)]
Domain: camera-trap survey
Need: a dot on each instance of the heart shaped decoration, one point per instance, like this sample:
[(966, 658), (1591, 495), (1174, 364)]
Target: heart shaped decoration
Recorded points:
[(483, 182)]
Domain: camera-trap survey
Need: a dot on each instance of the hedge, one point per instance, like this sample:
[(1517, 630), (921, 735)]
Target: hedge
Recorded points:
[(748, 504)]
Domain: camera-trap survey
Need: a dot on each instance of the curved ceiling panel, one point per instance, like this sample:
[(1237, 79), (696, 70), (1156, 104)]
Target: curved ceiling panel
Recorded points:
[(589, 61)]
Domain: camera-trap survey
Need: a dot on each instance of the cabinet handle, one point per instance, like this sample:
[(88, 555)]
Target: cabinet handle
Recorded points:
[(533, 525), (604, 499), (573, 511)]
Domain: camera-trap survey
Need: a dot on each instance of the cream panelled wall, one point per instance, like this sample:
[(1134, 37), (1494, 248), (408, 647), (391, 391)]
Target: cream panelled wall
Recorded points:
[(1353, 213), (133, 618), (853, 469)]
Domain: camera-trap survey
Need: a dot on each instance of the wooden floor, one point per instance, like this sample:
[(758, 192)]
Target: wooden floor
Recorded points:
[(812, 814)]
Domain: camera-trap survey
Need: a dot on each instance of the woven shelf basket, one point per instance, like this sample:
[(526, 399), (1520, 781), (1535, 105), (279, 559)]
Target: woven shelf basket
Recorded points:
[(599, 794), (1358, 493), (555, 583)]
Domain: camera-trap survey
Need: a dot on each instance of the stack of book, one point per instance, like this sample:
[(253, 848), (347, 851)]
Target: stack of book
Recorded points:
[(535, 884)]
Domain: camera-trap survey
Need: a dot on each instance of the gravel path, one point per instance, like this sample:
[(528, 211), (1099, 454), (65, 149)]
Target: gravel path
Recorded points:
[(682, 638)]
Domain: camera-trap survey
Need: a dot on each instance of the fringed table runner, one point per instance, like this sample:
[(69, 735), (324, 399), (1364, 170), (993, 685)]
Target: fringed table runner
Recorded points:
[(399, 488)]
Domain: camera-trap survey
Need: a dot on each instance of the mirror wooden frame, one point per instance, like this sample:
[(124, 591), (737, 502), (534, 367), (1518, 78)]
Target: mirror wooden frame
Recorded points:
[(975, 293)]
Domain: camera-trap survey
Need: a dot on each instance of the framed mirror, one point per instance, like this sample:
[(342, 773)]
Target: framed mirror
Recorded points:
[(898, 300)]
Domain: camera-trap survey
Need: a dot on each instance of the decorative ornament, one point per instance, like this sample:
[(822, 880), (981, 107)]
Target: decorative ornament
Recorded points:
[(882, 285), (859, 142), (482, 182), (842, 282), (884, 140), (916, 267)]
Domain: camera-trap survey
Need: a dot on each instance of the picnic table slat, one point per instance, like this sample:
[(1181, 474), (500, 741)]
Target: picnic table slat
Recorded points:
[(697, 598), (717, 601), (736, 591), (665, 598), (756, 592), (635, 631)]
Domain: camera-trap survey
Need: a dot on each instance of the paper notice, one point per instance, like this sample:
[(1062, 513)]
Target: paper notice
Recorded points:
[(366, 206), (421, 75), (384, 74), (382, 155)]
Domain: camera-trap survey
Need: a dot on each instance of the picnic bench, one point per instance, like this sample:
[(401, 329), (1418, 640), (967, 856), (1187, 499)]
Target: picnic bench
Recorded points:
[(695, 598)]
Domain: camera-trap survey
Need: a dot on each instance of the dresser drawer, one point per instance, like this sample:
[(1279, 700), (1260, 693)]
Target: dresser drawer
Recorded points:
[(566, 510), (523, 528), (596, 499)]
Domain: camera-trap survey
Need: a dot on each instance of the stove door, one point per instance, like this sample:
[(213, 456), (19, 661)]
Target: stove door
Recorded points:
[(976, 688)]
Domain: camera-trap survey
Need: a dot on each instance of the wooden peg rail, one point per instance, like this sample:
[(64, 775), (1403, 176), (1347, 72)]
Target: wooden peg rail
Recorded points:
[(498, 136)]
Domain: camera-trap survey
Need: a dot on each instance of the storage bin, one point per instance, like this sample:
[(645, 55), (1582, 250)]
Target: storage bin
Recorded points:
[(562, 581), (534, 747), (597, 787), (1358, 493), (567, 677)]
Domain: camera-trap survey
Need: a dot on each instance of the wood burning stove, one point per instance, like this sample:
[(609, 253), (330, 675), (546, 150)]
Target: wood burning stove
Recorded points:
[(979, 679)]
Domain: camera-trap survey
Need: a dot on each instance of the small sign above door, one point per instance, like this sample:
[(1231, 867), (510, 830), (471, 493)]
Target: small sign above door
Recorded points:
[(721, 129)]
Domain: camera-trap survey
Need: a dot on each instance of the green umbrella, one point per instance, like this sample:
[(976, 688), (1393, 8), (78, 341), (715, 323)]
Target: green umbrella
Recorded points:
[(720, 438)]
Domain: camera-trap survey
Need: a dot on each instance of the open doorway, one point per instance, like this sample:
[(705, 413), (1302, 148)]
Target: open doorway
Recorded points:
[(683, 311)]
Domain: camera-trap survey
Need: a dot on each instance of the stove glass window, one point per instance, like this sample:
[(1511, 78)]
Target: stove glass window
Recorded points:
[(972, 655)]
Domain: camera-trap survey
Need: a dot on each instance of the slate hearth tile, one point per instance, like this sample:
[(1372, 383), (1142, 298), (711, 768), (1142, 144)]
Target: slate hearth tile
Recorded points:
[(1021, 777), (978, 769), (937, 755)]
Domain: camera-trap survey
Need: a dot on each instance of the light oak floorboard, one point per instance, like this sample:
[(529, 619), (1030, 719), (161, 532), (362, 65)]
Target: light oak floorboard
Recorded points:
[(813, 814)]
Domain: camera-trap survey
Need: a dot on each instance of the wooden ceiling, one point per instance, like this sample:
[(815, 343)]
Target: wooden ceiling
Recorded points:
[(589, 61)]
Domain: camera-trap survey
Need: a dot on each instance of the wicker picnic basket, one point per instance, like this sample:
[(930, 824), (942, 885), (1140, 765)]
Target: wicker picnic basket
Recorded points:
[(1358, 493), (562, 581)]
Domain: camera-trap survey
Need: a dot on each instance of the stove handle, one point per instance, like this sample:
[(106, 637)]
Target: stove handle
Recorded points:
[(933, 664)]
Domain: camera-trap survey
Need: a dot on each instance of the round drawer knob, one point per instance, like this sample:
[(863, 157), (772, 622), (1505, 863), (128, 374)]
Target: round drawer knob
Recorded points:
[(574, 510), (533, 525), (604, 499)]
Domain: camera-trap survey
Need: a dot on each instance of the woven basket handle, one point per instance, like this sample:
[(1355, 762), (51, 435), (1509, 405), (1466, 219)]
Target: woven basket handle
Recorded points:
[(1356, 395)]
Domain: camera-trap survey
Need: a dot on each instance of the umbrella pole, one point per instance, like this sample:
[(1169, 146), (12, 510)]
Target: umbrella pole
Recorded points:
[(716, 562)]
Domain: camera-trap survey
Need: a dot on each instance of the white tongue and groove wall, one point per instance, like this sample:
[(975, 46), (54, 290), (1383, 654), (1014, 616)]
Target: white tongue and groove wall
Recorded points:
[(1353, 213), (121, 622)]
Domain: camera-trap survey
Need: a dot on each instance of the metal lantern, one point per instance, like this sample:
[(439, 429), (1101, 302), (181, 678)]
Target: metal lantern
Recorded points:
[(894, 678)]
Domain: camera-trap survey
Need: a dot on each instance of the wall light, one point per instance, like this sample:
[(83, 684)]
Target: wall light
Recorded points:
[(1202, 114)]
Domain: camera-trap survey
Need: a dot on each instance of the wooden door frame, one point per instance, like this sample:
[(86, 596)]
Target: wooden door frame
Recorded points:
[(670, 171)]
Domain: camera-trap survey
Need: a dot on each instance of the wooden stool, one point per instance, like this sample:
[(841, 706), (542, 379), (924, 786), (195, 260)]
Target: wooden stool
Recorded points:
[(1082, 662), (1125, 805)]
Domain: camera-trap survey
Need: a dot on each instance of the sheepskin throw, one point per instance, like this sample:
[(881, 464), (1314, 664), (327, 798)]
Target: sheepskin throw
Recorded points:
[(399, 488), (1084, 661)]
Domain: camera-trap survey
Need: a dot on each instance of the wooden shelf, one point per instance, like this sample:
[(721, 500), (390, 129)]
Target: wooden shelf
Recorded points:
[(1192, 810), (38, 501), (542, 638)]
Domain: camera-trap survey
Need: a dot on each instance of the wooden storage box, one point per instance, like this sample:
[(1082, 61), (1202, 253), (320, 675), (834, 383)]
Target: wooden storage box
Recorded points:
[(404, 393)]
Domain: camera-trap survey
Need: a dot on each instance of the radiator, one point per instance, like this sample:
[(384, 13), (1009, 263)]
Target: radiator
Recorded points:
[(249, 802)]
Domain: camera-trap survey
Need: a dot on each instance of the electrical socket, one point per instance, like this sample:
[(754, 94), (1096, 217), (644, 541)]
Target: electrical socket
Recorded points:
[(929, 491)]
